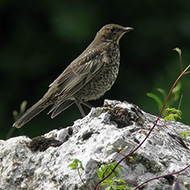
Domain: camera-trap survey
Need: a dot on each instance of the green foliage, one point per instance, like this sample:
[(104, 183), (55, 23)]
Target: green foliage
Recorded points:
[(17, 114), (173, 114), (122, 149), (156, 98), (113, 182), (184, 134), (178, 50), (76, 164), (160, 99)]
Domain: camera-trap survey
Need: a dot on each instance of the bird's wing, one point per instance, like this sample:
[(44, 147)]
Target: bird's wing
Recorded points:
[(77, 74)]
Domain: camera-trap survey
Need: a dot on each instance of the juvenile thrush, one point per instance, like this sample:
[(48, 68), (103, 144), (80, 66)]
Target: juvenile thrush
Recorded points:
[(88, 77)]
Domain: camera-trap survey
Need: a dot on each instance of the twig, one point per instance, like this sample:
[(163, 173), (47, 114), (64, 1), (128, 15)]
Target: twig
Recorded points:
[(161, 177)]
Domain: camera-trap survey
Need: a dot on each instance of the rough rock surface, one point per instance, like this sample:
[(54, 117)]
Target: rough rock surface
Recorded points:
[(43, 162)]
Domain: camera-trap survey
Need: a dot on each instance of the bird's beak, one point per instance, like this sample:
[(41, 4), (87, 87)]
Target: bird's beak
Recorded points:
[(127, 29)]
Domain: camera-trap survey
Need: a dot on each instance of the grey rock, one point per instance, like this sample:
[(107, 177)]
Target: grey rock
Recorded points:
[(42, 163)]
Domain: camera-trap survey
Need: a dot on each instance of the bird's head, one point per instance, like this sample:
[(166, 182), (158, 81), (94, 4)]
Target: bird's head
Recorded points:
[(112, 33)]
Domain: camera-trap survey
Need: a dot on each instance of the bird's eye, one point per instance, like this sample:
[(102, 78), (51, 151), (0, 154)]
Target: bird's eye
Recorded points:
[(112, 29)]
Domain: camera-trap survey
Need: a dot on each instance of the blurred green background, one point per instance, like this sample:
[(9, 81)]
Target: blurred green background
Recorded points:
[(38, 39)]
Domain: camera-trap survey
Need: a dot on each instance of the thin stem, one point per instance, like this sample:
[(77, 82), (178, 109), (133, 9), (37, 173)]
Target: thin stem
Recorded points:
[(82, 179), (162, 177), (180, 58), (184, 72), (155, 123), (127, 155), (180, 101), (188, 72)]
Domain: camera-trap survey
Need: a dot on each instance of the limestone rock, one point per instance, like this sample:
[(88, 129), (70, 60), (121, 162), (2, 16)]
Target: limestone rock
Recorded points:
[(43, 162)]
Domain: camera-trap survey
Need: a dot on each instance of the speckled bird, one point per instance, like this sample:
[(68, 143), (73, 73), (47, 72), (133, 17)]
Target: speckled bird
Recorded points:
[(87, 78)]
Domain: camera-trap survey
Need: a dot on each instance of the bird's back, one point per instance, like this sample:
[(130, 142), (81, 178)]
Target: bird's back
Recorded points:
[(88, 77), (108, 56)]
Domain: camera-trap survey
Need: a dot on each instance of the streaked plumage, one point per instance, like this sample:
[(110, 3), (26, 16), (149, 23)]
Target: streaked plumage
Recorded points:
[(88, 77)]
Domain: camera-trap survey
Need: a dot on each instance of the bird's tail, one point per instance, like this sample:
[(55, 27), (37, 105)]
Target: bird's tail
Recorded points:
[(31, 113)]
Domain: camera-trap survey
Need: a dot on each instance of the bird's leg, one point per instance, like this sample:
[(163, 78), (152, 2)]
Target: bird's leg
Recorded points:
[(80, 108), (87, 105)]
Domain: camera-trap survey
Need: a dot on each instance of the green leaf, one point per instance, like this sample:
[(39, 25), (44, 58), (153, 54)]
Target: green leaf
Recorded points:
[(120, 148), (156, 99), (106, 182), (119, 180), (173, 114), (23, 106), (105, 170), (17, 114), (76, 164), (174, 111), (108, 188), (184, 134), (162, 92), (101, 170), (176, 91), (178, 50), (111, 181)]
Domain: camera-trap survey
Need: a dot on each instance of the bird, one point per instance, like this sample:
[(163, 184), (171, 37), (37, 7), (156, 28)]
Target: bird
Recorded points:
[(87, 78)]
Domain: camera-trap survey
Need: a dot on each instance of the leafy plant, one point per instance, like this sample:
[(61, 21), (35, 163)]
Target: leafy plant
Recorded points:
[(109, 173), (184, 134), (17, 114), (173, 114), (113, 182), (175, 95), (76, 164)]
